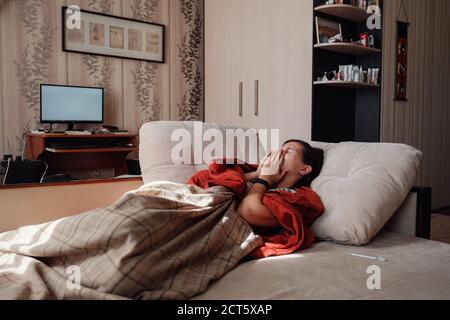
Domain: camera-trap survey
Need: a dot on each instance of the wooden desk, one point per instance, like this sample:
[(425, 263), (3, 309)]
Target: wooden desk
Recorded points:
[(38, 147)]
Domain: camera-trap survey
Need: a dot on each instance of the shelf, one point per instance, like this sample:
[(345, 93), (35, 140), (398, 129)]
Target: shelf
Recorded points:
[(346, 84), (347, 48), (92, 150), (88, 136), (344, 11)]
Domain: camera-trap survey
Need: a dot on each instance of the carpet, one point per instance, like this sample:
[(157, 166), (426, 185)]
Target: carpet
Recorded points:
[(440, 228)]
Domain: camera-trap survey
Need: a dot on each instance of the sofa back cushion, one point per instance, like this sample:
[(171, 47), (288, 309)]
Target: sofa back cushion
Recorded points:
[(156, 146)]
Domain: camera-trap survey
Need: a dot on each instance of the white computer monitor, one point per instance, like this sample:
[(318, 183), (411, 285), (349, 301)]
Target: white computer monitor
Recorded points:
[(71, 104)]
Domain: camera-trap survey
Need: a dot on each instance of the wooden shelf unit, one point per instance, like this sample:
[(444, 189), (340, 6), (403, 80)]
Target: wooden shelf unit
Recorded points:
[(83, 136), (346, 84), (91, 150), (344, 11), (111, 151), (346, 111), (347, 48)]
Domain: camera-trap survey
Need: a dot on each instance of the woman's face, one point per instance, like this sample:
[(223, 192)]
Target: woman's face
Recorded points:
[(293, 159)]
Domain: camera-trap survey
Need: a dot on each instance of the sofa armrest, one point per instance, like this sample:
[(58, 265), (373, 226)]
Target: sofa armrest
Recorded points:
[(35, 204), (413, 218)]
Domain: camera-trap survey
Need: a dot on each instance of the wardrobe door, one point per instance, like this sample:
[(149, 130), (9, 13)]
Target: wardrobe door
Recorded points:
[(258, 64), (226, 53), (286, 85), (243, 51), (253, 73), (217, 60)]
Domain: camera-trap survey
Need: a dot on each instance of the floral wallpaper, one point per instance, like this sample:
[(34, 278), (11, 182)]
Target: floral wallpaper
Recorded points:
[(146, 75), (189, 49), (33, 62), (136, 92)]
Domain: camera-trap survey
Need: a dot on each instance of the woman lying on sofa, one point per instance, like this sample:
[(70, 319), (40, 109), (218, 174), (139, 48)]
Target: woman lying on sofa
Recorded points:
[(274, 198), (295, 165)]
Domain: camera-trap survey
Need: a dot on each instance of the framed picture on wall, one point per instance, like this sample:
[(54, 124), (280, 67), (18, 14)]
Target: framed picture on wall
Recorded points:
[(112, 36), (328, 31)]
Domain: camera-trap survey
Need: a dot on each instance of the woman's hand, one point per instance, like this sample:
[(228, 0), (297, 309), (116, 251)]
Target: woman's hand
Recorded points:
[(252, 176), (258, 171), (252, 208), (271, 168)]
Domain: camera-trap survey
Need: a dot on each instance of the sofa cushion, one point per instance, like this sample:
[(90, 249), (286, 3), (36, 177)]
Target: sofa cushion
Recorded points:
[(361, 186), (156, 147)]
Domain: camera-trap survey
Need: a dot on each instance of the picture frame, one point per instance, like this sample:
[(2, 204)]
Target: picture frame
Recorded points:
[(327, 30), (114, 36), (401, 69)]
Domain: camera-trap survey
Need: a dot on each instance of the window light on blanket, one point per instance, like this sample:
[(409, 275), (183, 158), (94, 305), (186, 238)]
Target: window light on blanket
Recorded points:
[(150, 244)]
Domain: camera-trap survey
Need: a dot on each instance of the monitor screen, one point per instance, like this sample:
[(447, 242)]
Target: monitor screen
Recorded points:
[(71, 104)]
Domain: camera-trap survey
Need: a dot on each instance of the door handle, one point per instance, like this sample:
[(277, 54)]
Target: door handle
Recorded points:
[(257, 98), (241, 89)]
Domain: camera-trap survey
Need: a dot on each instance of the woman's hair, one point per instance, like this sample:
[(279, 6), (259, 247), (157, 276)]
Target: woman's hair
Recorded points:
[(312, 157)]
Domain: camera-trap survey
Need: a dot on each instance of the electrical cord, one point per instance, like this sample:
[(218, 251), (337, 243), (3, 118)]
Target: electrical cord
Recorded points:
[(6, 173), (23, 149), (45, 172)]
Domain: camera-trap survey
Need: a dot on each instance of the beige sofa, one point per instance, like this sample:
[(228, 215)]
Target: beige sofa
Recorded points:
[(415, 268)]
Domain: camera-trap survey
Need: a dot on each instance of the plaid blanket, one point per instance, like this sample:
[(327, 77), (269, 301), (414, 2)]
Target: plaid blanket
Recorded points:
[(161, 241)]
